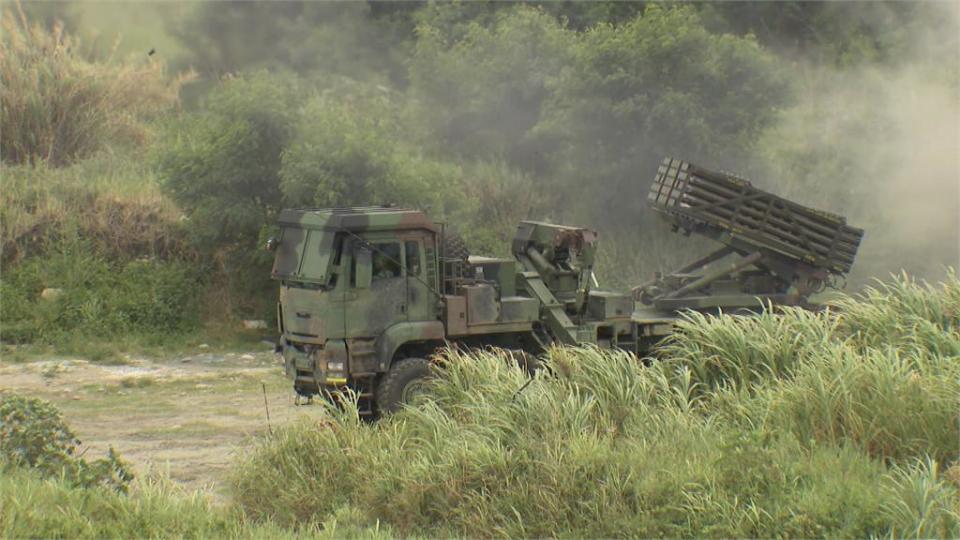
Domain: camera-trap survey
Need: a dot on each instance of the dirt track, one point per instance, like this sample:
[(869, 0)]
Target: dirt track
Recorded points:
[(190, 415)]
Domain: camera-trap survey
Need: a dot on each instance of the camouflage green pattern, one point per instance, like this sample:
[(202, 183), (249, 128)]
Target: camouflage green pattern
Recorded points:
[(362, 289), (339, 317)]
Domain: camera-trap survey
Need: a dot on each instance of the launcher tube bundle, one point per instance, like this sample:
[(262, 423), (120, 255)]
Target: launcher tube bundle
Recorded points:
[(786, 250)]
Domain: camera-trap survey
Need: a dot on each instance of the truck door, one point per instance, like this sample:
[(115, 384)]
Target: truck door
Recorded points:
[(420, 299), (377, 297)]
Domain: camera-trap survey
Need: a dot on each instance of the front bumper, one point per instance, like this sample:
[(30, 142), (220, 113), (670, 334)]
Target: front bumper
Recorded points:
[(312, 366)]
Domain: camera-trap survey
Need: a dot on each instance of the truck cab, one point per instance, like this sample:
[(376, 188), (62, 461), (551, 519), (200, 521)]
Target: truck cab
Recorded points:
[(355, 285)]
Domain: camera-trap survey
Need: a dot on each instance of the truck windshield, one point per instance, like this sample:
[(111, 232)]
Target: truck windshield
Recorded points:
[(305, 255)]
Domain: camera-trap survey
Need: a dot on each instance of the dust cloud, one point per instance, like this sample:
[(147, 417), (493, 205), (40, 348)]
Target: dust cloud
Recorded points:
[(880, 144)]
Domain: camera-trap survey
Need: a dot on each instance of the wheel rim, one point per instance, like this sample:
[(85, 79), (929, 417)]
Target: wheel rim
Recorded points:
[(413, 390)]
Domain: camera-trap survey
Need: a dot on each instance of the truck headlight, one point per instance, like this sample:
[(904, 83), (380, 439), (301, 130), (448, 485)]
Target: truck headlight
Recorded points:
[(334, 366)]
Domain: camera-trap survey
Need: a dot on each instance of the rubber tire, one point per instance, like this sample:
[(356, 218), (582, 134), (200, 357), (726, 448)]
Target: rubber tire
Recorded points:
[(389, 392), (454, 246)]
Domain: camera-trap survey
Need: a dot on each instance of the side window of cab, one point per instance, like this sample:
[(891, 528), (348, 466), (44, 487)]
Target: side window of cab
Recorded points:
[(375, 262), (386, 260), (412, 253)]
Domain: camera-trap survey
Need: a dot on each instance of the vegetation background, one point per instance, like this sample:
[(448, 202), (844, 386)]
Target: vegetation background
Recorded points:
[(146, 148)]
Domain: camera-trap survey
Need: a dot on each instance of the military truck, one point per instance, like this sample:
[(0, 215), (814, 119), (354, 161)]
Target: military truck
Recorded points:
[(368, 294)]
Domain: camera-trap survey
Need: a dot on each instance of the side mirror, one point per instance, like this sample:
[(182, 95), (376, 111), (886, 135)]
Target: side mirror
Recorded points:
[(273, 243), (364, 267)]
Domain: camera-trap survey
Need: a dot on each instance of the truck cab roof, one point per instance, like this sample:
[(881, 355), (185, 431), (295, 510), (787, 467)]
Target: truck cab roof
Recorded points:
[(356, 219)]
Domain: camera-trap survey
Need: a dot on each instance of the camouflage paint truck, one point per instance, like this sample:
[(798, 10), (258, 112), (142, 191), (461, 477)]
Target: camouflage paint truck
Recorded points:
[(368, 294)]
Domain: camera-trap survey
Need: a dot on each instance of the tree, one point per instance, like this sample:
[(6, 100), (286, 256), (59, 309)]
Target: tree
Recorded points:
[(351, 147), (480, 82), (221, 165), (658, 85)]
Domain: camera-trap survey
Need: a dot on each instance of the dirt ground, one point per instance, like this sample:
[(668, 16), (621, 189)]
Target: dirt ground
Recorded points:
[(189, 416)]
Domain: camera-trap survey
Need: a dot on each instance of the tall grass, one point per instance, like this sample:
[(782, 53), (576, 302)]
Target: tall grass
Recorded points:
[(904, 313), (111, 199), (58, 107), (31, 507), (787, 424)]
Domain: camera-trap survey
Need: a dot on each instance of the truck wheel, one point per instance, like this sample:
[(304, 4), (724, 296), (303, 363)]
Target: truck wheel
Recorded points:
[(402, 384), (454, 247)]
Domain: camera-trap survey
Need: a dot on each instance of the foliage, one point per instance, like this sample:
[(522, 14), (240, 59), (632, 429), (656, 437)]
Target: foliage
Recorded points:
[(482, 113), (59, 107), (220, 165), (98, 297), (33, 435), (495, 197), (658, 85), (480, 87), (835, 33), (349, 148), (155, 508), (110, 199)]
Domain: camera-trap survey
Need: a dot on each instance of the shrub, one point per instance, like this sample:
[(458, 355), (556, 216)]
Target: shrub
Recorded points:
[(891, 406), (33, 435), (913, 316), (738, 351), (221, 164), (919, 503), (32, 507)]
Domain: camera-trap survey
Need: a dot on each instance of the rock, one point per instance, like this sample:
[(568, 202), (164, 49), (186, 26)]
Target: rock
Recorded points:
[(254, 324), (203, 346), (248, 357), (50, 294)]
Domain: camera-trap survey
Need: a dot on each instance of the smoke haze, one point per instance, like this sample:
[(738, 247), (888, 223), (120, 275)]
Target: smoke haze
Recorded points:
[(880, 145)]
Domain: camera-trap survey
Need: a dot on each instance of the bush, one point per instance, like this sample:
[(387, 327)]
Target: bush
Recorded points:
[(739, 351), (33, 435), (658, 85), (480, 84), (603, 448), (891, 407), (913, 316), (221, 165), (877, 370), (33, 507)]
